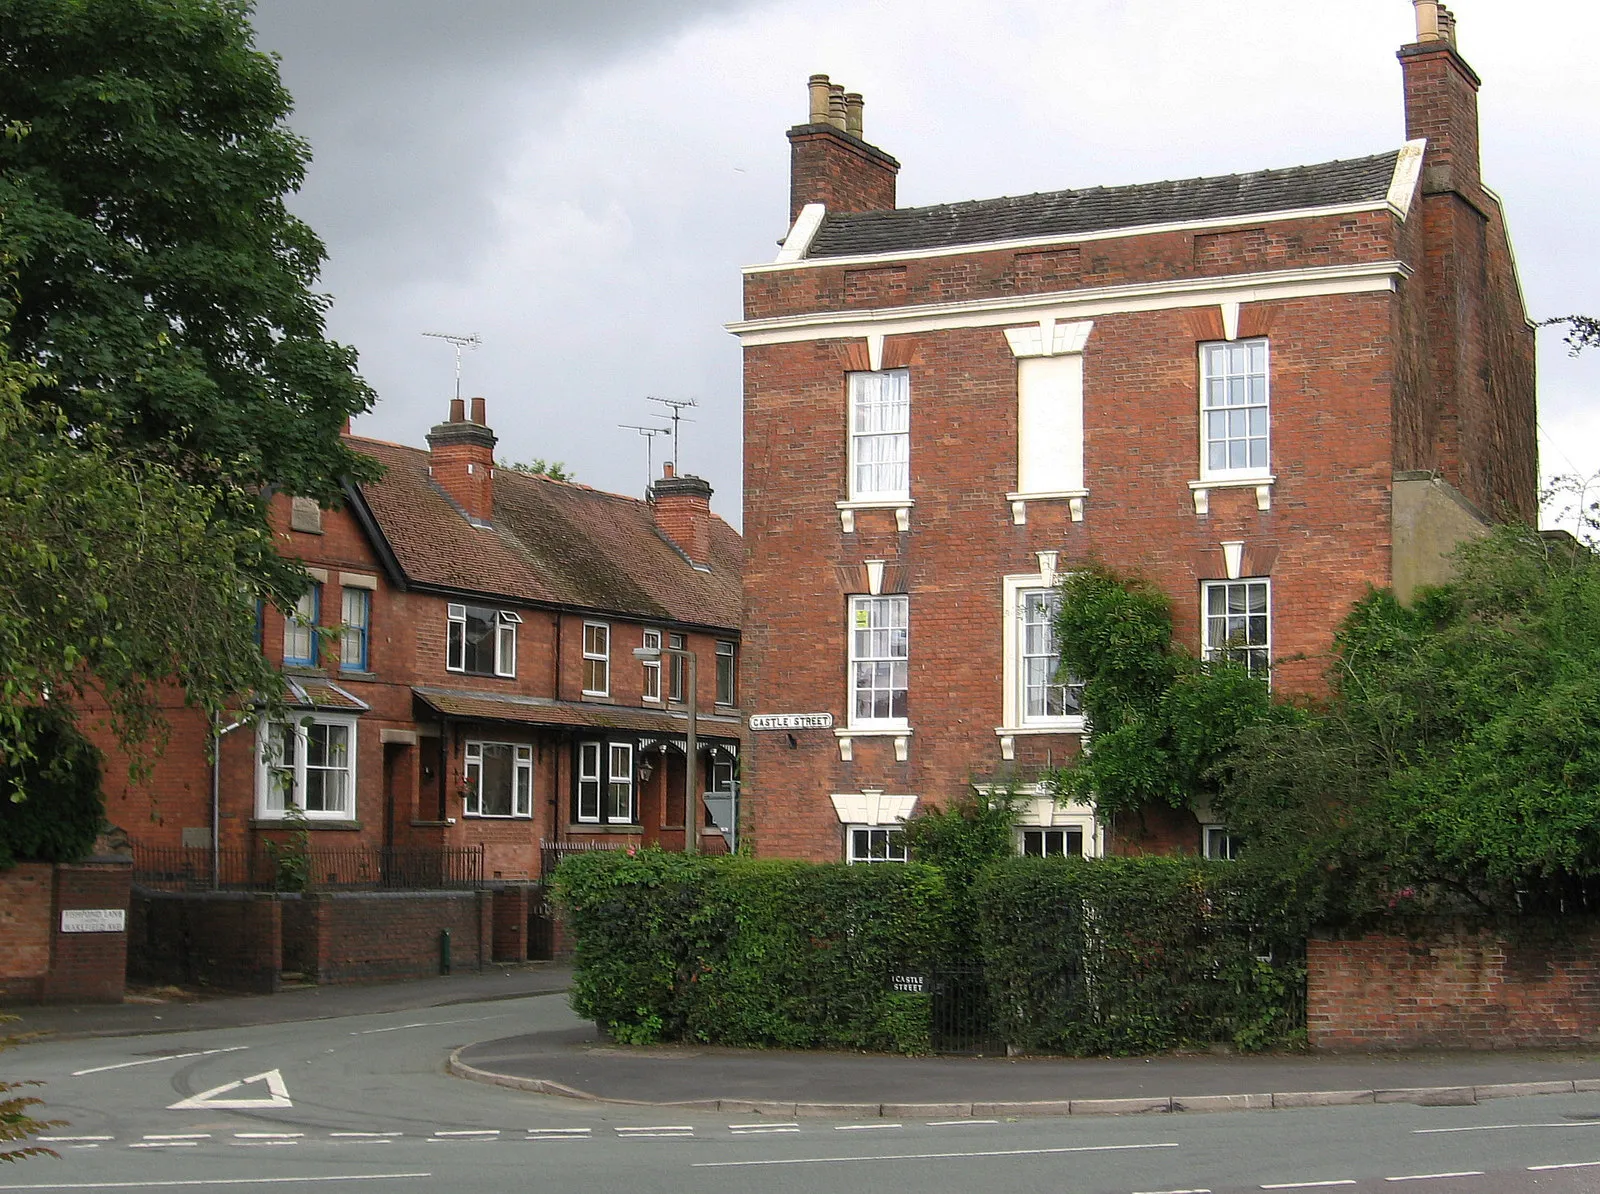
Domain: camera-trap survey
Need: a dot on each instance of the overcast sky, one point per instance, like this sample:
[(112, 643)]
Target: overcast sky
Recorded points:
[(578, 181)]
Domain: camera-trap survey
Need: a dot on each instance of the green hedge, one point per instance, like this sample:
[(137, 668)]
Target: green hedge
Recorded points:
[(738, 951), (1138, 955)]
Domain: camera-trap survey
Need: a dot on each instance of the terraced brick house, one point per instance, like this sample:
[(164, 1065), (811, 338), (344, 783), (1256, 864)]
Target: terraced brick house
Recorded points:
[(463, 673), (1266, 391)]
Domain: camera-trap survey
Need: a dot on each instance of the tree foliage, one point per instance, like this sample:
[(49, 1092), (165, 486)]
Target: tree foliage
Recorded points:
[(161, 284), (59, 773), (16, 1122), (556, 470), (1457, 763), (118, 576), (1163, 724)]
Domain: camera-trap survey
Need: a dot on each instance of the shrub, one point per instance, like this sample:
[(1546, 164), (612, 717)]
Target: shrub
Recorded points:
[(51, 807), (740, 951), (1138, 955)]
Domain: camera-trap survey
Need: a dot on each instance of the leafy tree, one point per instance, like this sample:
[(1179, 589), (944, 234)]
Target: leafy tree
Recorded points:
[(160, 280), (961, 839), (1583, 331), (116, 576), (16, 1124), (556, 470), (1163, 725), (1456, 765), (60, 773)]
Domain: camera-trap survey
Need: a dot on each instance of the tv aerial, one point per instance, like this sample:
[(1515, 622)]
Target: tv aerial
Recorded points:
[(677, 406), (648, 434), (459, 343)]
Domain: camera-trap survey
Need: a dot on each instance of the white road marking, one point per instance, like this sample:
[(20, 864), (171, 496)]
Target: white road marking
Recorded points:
[(559, 1133), (1581, 1123), (220, 1181), (277, 1095), (101, 1069), (864, 1127), (261, 1143), (1568, 1165), (774, 1130), (1002, 1152), (471, 1132), (660, 1130), (1201, 1190), (365, 1135), (1428, 1177), (1343, 1181), (958, 1123), (72, 1139), (164, 1144), (268, 1135), (179, 1136), (424, 1024), (73, 1146)]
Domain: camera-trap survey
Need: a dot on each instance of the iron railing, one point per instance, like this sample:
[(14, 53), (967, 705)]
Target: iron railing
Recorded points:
[(314, 868), (552, 852)]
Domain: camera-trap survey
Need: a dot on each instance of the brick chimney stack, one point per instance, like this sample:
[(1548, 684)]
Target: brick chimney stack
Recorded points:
[(830, 163), (461, 459), (1442, 104), (682, 509)]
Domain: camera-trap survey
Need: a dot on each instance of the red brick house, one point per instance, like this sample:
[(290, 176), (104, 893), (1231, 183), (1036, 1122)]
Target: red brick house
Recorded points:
[(463, 672), (1266, 391)]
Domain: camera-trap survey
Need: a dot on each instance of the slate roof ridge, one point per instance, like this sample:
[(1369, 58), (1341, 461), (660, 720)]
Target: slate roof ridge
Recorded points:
[(1044, 216), (1102, 188)]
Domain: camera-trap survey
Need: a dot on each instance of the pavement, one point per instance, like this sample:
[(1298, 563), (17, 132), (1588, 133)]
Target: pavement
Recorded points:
[(577, 1062), (189, 1011)]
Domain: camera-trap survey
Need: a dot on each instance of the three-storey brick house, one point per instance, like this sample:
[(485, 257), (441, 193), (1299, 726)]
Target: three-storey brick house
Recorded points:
[(1266, 391), (461, 674)]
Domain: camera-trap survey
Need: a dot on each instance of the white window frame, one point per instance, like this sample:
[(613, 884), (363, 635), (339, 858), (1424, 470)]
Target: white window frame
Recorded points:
[(360, 633), (1014, 704), (521, 780), (1036, 807), (1046, 834), (857, 605), (731, 654), (677, 670), (619, 780), (272, 797), (1208, 388), (867, 394), (600, 656), (650, 686), (1217, 841), (1211, 649), (589, 780), (300, 628), (504, 629), (891, 837)]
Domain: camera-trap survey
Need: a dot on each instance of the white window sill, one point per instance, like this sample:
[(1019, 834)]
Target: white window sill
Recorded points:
[(1008, 735), (497, 816), (1262, 483), (1073, 497), (900, 506), (900, 734)]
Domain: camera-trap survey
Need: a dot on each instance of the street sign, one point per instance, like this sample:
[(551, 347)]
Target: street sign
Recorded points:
[(94, 920), (791, 721)]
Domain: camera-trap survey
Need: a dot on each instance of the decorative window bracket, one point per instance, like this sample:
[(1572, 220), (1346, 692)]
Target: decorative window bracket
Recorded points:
[(900, 506), (902, 742), (1073, 497), (1201, 491)]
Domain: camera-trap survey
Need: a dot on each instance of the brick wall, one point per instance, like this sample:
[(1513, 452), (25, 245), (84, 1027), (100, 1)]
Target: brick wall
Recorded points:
[(511, 908), (41, 964), (364, 936), (1455, 990), (231, 940)]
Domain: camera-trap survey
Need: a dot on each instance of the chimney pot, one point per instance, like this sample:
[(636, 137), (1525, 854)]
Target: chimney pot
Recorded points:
[(1447, 25), (666, 469), (478, 413), (461, 460), (1427, 20), (852, 113), (682, 510), (836, 105), (458, 411), (818, 88)]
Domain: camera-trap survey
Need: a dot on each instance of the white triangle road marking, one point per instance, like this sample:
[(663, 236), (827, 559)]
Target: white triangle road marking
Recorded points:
[(278, 1092)]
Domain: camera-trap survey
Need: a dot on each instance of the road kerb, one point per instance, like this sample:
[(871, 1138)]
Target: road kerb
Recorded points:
[(1513, 1090), (1429, 1096), (1122, 1106), (927, 1110), (756, 1107), (839, 1110), (1046, 1107), (1322, 1098), (1205, 1104)]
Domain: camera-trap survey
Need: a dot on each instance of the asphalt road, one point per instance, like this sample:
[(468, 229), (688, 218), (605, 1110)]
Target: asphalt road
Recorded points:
[(364, 1102)]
